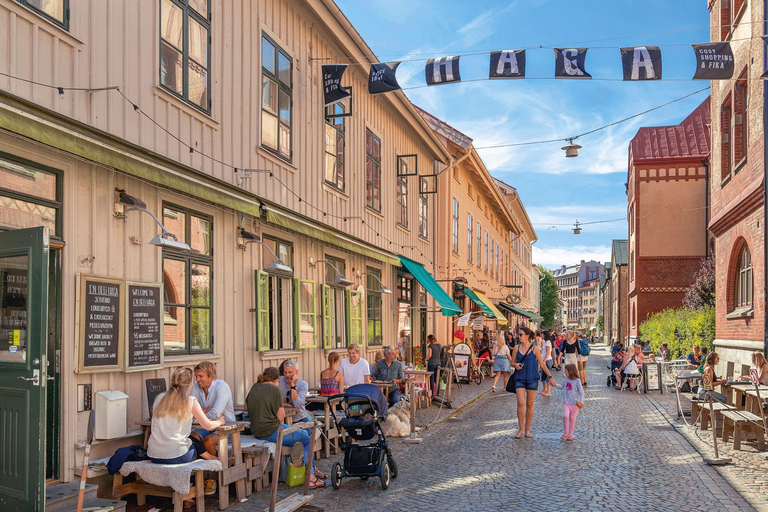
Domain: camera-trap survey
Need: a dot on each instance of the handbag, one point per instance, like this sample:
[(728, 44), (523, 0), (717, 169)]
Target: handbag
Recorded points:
[(510, 388)]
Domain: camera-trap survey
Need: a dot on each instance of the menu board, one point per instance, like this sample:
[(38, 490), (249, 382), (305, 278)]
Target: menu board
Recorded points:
[(144, 332), (101, 306)]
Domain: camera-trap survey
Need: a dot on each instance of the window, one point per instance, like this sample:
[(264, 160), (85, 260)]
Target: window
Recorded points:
[(276, 98), (485, 251), (342, 310), (276, 300), (185, 47), (55, 10), (496, 266), (725, 138), (455, 227), (740, 122), (743, 298), (334, 148), (372, 171), (29, 196), (470, 237), (374, 306), (188, 283), (402, 201), (492, 253), (423, 212), (729, 10), (479, 246)]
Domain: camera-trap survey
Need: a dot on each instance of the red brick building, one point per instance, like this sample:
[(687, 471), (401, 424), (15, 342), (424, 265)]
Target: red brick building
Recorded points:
[(737, 190), (667, 213)]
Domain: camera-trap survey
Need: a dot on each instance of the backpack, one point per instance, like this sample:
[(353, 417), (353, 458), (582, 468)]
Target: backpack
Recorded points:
[(584, 348)]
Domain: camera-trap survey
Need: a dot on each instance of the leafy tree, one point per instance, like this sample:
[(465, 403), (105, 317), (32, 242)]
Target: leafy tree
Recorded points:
[(600, 323), (701, 294), (680, 329), (548, 293)]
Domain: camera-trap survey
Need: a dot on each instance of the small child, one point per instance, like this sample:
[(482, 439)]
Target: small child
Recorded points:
[(573, 399)]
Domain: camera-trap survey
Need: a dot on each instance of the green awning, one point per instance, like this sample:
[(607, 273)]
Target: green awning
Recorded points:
[(521, 312), (498, 315), (482, 305), (417, 270)]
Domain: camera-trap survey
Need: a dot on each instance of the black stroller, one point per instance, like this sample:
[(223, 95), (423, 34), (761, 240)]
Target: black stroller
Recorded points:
[(363, 406)]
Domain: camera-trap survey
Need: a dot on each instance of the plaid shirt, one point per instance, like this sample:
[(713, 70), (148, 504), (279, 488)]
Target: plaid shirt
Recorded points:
[(388, 372)]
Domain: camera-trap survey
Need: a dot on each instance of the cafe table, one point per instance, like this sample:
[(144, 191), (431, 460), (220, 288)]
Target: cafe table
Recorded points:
[(384, 386), (735, 390), (420, 377), (752, 404), (329, 427), (290, 412)]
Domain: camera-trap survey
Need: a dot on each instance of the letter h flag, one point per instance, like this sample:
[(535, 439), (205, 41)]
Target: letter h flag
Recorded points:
[(442, 71)]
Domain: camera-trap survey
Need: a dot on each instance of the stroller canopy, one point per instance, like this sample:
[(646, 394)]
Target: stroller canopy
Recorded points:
[(374, 393)]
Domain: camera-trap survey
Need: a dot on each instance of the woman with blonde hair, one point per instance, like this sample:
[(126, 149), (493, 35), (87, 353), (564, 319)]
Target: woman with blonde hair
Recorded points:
[(502, 362), (169, 442), (709, 369), (331, 379), (761, 365)]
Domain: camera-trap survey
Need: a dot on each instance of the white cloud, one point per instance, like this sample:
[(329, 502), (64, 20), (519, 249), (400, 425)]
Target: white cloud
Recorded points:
[(554, 257)]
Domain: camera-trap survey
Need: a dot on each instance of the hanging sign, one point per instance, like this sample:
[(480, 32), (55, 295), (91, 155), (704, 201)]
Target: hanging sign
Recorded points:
[(569, 63), (464, 320), (507, 64), (101, 320), (442, 71), (641, 63), (477, 323), (706, 380), (382, 78), (714, 61), (333, 92), (144, 327)]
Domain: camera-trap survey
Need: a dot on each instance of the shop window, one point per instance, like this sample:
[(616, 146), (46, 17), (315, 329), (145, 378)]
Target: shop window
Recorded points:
[(744, 282), (276, 98), (334, 148), (185, 48), (372, 171), (470, 236), (188, 283), (455, 226), (423, 212), (30, 196), (54, 10), (374, 301)]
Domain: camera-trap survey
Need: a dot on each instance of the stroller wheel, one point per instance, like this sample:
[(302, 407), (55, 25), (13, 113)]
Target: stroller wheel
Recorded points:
[(336, 476), (385, 475), (392, 466)]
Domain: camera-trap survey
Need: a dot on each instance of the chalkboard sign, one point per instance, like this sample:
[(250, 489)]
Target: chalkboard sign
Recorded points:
[(101, 306), (144, 327), (154, 388)]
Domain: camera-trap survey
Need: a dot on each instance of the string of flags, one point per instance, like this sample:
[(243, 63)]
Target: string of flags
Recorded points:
[(714, 61)]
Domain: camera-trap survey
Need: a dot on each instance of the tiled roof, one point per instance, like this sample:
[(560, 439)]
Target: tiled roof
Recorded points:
[(689, 139), (619, 250), (558, 272)]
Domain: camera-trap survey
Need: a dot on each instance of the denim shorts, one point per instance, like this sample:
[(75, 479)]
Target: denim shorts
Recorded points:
[(203, 433), (533, 385)]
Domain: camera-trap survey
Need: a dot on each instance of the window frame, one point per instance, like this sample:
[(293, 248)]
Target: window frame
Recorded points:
[(283, 284), (485, 251), (455, 226), (60, 23), (423, 212), (401, 198), (744, 280), (372, 296), (470, 236), (189, 258), (340, 135), (479, 245), (281, 87), (339, 312), (375, 171), (187, 12)]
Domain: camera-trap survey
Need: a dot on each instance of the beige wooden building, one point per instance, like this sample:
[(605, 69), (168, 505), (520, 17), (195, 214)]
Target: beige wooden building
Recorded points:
[(210, 114)]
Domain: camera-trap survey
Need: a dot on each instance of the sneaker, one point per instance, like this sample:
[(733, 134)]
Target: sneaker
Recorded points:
[(210, 487), (584, 385), (493, 389)]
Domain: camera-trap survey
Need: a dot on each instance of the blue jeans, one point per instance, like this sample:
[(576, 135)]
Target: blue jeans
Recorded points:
[(432, 378), (300, 436), (394, 396), (183, 459)]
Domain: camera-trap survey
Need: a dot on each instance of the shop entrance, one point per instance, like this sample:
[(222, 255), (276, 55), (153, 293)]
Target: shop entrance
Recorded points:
[(24, 291)]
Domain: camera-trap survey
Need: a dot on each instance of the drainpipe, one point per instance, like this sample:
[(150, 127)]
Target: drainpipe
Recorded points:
[(765, 186), (706, 207)]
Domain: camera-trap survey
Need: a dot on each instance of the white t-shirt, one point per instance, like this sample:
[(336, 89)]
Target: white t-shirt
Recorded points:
[(170, 437), (547, 343), (354, 373)]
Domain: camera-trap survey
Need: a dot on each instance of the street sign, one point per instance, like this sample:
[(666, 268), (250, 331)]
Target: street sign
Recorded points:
[(753, 377)]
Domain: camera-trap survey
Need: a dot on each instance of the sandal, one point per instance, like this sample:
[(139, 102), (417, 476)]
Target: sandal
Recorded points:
[(317, 484), (519, 435), (188, 504), (570, 438), (319, 475), (529, 435), (564, 437)]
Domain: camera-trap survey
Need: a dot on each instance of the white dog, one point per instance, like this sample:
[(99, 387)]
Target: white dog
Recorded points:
[(398, 423)]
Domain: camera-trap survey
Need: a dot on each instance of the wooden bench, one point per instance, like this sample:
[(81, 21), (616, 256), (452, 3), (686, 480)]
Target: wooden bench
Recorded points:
[(257, 459), (142, 489), (717, 408), (738, 421)]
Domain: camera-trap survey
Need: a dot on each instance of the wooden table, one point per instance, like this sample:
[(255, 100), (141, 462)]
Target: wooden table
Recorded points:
[(752, 404), (384, 386), (290, 412), (735, 392), (329, 427), (421, 376)]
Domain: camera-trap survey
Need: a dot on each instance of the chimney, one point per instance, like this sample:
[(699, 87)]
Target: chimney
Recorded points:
[(563, 267), (582, 262)]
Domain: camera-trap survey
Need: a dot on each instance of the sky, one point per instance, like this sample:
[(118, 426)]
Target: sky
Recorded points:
[(555, 190)]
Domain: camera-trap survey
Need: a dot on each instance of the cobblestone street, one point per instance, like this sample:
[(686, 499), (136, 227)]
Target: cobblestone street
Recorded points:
[(627, 456)]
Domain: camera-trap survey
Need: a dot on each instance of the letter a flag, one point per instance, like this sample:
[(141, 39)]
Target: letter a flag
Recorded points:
[(507, 64), (641, 63), (569, 63), (764, 76), (382, 77), (442, 71), (333, 92), (714, 61)]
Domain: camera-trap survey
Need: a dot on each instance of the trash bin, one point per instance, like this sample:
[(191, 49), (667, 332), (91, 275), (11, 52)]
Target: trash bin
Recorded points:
[(111, 414)]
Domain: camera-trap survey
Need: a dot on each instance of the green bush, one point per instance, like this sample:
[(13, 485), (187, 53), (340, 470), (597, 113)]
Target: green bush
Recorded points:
[(680, 329)]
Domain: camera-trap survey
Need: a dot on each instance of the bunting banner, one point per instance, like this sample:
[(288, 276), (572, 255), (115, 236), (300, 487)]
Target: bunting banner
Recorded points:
[(569, 63), (382, 78), (442, 71), (333, 92), (714, 61), (641, 62), (507, 64)]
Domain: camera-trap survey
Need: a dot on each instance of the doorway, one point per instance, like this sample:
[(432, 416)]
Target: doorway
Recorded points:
[(53, 397)]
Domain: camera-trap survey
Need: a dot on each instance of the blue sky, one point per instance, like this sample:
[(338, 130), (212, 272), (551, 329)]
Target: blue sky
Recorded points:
[(555, 190)]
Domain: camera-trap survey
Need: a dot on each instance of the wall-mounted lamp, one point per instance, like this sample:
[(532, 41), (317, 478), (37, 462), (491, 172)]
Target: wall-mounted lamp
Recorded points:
[(383, 289), (246, 237), (571, 149), (340, 279), (127, 203)]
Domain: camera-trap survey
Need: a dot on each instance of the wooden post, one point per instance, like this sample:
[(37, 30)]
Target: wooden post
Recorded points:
[(713, 420), (753, 377), (275, 470), (308, 475)]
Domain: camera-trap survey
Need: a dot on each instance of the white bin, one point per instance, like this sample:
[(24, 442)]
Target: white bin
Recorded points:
[(111, 414)]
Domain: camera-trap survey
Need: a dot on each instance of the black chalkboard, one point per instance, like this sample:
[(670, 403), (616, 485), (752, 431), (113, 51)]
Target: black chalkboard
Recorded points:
[(154, 388), (144, 320), (100, 326)]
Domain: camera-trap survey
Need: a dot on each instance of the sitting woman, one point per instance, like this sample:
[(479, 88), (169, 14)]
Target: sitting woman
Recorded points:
[(630, 367), (265, 408), (761, 366), (331, 379), (709, 369)]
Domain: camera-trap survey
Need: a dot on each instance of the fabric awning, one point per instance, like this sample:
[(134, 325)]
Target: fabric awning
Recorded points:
[(417, 270), (521, 312), (500, 318), (482, 305)]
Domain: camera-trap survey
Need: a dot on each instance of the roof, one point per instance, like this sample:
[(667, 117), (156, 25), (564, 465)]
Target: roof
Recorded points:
[(687, 140), (441, 127), (619, 252), (559, 272)]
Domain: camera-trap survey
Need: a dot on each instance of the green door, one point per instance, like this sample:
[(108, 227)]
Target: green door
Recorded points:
[(23, 348)]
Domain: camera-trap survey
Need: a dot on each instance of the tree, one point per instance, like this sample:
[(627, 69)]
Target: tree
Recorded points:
[(600, 323), (548, 293), (701, 293)]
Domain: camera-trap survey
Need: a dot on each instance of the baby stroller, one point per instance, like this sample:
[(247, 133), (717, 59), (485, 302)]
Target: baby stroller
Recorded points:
[(366, 453)]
